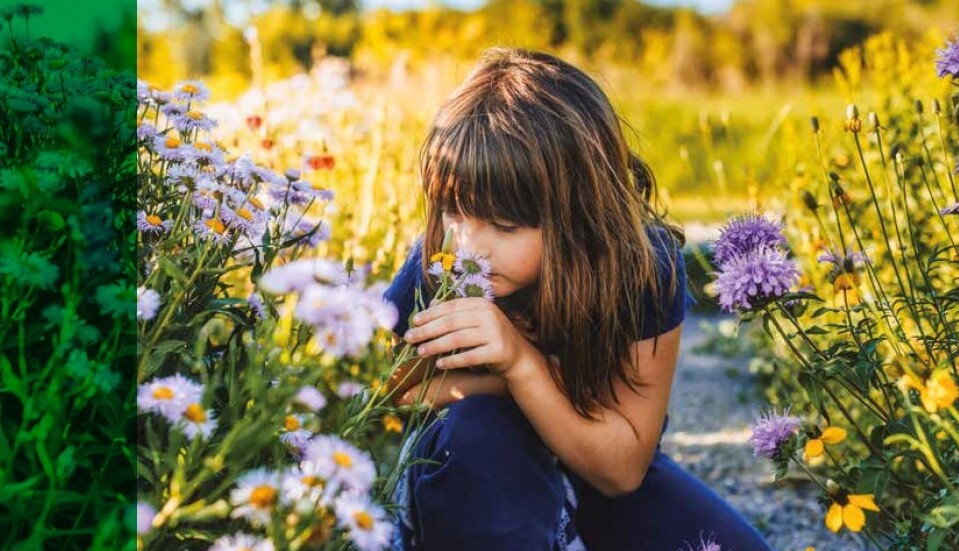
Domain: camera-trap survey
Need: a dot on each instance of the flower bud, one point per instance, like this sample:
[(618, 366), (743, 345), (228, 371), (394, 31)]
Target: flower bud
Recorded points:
[(874, 119), (936, 108), (919, 160), (815, 124), (852, 112), (831, 486), (809, 200), (919, 106)]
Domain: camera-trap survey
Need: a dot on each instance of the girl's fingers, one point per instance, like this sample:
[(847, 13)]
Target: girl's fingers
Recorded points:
[(436, 311), (441, 326), (463, 338), (469, 358)]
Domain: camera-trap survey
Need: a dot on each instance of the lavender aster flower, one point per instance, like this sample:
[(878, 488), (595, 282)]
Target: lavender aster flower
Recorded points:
[(151, 223), (193, 120), (475, 285), (947, 62), (173, 110), (191, 90), (747, 279), (256, 305), (148, 302), (771, 431), (745, 233), (951, 209), (468, 262), (146, 131), (851, 260), (145, 514)]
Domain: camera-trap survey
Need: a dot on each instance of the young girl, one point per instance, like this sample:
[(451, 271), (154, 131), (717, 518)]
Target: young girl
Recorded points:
[(556, 445)]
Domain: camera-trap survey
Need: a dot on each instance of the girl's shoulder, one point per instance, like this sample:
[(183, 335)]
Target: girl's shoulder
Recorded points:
[(402, 289)]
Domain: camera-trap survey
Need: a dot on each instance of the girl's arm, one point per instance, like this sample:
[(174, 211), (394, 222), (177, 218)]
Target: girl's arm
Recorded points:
[(613, 453)]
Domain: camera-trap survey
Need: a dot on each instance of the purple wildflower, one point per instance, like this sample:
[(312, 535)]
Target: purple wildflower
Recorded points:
[(299, 274), (193, 120), (951, 209), (145, 515), (151, 223), (436, 269), (947, 62), (255, 301), (468, 262), (771, 431), (758, 275), (851, 260), (704, 545), (146, 132), (173, 111), (475, 285), (745, 233)]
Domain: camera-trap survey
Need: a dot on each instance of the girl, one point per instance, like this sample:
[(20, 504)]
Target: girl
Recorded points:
[(557, 444)]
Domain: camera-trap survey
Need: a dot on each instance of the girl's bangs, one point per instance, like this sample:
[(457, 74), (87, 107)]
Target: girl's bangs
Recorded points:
[(471, 169)]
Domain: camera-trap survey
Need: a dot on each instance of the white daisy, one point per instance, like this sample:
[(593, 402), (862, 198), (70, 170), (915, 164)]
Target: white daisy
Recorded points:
[(213, 228), (307, 482), (370, 528), (193, 120), (242, 542), (256, 495), (342, 460), (169, 396), (196, 420), (148, 303), (169, 147)]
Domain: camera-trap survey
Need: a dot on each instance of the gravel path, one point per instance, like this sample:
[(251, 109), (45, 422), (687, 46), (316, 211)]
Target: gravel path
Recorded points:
[(714, 400)]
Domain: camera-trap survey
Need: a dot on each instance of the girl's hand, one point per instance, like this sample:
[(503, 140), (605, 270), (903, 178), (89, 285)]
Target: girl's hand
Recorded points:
[(476, 327), (451, 387)]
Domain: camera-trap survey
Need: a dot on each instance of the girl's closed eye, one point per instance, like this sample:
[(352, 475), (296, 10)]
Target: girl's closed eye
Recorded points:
[(503, 228)]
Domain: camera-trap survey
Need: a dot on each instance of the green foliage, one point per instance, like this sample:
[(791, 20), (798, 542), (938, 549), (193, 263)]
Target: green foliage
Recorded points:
[(66, 194)]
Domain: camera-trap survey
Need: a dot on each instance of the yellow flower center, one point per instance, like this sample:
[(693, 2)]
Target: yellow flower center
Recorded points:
[(190, 89), (342, 459), (292, 423), (363, 520), (312, 481), (195, 115), (154, 219), (195, 413), (203, 145), (163, 393), (215, 225), (263, 496), (392, 423), (172, 142), (257, 203), (244, 214)]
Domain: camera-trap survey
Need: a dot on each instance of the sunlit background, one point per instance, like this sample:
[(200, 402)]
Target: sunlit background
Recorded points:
[(719, 92)]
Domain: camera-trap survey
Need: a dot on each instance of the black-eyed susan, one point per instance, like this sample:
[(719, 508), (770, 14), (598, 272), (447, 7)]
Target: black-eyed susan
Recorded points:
[(816, 444), (847, 510)]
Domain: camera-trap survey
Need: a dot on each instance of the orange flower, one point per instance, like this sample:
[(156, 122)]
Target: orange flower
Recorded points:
[(446, 258), (937, 391), (392, 423)]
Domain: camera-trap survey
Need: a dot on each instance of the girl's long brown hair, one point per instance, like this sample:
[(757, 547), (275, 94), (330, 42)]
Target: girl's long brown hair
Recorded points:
[(531, 139)]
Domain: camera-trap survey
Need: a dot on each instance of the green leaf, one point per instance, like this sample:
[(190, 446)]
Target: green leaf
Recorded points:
[(9, 381), (816, 330), (170, 269)]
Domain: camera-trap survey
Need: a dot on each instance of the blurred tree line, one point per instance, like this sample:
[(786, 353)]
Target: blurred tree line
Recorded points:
[(756, 41)]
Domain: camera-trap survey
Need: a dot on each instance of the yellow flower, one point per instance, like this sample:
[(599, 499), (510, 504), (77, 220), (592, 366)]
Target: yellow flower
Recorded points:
[(446, 258), (392, 423), (940, 391), (847, 510), (816, 446)]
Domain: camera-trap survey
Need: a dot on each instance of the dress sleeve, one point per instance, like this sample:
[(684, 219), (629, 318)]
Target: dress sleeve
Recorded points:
[(402, 289), (664, 311)]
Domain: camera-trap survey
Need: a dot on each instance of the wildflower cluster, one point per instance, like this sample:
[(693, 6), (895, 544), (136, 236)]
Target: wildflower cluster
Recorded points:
[(876, 362), (249, 348)]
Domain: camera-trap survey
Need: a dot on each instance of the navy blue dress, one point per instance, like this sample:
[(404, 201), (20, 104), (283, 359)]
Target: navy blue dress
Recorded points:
[(496, 486)]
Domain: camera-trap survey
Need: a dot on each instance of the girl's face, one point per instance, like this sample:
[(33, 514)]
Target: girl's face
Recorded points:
[(515, 252)]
